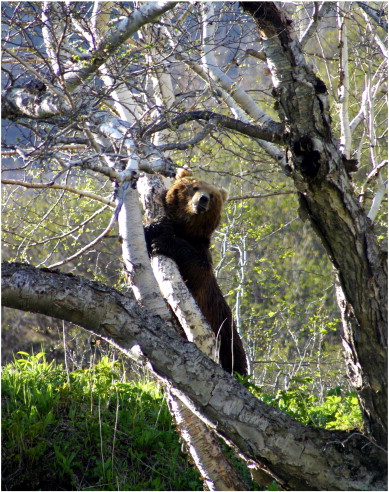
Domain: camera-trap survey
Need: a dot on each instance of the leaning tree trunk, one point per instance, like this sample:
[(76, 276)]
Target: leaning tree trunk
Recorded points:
[(299, 457), (216, 469), (327, 199)]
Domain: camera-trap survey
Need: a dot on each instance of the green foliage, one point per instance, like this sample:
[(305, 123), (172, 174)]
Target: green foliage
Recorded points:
[(337, 410), (88, 430), (283, 295), (92, 430)]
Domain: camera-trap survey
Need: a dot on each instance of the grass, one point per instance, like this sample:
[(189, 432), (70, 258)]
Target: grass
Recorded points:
[(93, 430), (88, 430)]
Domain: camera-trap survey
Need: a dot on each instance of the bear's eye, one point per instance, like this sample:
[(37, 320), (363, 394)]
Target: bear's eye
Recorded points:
[(210, 196), (195, 188)]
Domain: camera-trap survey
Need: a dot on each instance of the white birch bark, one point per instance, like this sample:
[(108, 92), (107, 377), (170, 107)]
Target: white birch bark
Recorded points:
[(361, 113), (206, 451), (381, 184), (202, 445), (344, 86), (366, 112), (100, 18), (51, 35), (378, 197), (165, 270), (134, 252), (219, 77), (319, 12), (216, 470), (370, 118), (232, 93), (172, 287), (124, 103), (56, 102), (123, 29)]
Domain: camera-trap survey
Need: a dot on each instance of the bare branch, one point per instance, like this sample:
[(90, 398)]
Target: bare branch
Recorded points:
[(274, 132), (381, 190), (320, 11), (89, 246), (241, 105), (377, 200), (18, 102), (344, 83), (124, 28), (376, 15), (86, 194), (32, 70), (264, 195), (374, 173), (189, 143), (69, 233), (316, 163)]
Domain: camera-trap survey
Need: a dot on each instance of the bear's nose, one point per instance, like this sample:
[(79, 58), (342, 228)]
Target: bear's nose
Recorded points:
[(202, 203)]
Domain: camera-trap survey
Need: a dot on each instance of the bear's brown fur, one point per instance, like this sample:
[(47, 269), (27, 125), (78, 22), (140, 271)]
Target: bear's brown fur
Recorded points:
[(193, 209)]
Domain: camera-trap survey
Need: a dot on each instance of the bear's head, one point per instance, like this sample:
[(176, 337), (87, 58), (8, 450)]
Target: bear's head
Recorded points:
[(194, 205)]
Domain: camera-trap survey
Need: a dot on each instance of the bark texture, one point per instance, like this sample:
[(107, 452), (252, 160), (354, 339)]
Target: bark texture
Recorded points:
[(327, 199), (300, 457)]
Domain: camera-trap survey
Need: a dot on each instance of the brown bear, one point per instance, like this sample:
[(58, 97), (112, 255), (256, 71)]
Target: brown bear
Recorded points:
[(193, 210)]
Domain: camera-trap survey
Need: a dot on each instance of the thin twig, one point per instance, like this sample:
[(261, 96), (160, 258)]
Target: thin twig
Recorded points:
[(265, 195), (88, 246), (69, 233), (86, 194), (356, 434), (38, 76), (190, 143)]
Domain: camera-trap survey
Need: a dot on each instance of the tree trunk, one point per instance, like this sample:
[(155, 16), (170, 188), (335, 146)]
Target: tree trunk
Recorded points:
[(299, 457), (327, 199), (207, 453), (218, 472)]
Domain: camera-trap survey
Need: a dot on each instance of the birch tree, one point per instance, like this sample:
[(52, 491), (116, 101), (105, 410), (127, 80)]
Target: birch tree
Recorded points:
[(96, 92)]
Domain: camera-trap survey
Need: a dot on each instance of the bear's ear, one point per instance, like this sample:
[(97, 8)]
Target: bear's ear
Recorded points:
[(224, 194), (183, 172)]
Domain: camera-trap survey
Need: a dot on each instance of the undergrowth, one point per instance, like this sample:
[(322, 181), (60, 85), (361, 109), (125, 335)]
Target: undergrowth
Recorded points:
[(91, 430), (88, 430), (338, 410)]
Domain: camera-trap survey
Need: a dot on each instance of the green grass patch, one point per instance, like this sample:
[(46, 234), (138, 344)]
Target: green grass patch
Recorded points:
[(92, 430), (88, 430)]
